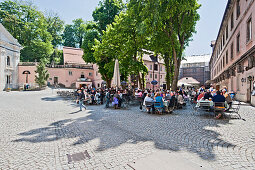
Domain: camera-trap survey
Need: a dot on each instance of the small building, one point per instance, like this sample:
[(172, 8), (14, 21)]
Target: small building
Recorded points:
[(156, 71), (9, 59), (197, 67), (73, 74)]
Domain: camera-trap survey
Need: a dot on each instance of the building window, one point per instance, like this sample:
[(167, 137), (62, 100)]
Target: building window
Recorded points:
[(223, 39), (249, 30), (70, 73), (8, 62), (232, 21), (82, 75), (161, 76), (226, 57), (8, 80), (226, 32), (237, 9), (156, 76), (155, 67), (98, 85), (150, 75), (238, 43), (90, 74), (150, 67), (161, 68), (223, 61), (232, 51)]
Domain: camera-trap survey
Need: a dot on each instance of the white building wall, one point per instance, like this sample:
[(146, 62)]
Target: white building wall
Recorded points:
[(9, 46)]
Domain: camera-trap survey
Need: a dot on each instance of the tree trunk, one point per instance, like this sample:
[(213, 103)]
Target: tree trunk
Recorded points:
[(108, 83), (176, 71), (168, 71), (143, 81)]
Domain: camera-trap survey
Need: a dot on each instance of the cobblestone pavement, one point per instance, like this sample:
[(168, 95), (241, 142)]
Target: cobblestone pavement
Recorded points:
[(39, 130)]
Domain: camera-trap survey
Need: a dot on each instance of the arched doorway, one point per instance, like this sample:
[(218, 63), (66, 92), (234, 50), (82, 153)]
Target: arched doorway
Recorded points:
[(26, 73)]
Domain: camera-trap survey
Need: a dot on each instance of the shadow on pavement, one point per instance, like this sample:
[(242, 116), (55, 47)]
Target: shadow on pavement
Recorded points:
[(116, 127)]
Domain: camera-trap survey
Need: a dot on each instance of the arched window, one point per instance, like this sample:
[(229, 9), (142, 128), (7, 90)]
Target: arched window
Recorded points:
[(8, 62)]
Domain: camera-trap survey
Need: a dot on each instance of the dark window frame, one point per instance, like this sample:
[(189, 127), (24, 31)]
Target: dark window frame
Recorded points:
[(232, 51), (238, 9), (238, 43), (249, 29), (8, 61), (232, 21)]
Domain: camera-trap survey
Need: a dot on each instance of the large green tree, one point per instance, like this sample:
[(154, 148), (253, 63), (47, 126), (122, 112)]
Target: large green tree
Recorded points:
[(55, 27), (105, 13), (176, 19), (68, 36), (29, 27), (74, 33)]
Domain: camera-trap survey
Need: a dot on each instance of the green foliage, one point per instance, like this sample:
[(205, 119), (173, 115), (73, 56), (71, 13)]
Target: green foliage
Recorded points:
[(88, 43), (35, 32), (106, 12), (68, 36), (36, 51), (173, 22), (57, 57), (42, 74), (73, 34), (55, 28)]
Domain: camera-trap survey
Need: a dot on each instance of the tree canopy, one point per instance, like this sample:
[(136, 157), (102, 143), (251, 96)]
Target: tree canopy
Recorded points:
[(37, 33)]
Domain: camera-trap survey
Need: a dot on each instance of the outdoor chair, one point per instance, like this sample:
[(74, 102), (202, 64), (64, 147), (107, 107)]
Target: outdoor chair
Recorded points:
[(234, 109), (149, 105), (205, 106), (158, 107), (219, 107)]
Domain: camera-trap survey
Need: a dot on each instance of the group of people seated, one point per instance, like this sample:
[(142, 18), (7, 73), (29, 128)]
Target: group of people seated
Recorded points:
[(154, 100), (216, 96)]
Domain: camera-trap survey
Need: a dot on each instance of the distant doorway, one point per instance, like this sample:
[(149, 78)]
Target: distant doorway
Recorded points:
[(55, 80)]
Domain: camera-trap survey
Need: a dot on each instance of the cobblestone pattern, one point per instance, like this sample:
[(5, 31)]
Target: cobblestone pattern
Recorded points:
[(38, 130)]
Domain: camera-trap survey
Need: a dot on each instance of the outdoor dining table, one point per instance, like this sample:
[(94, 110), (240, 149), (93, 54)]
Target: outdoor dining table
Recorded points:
[(211, 103)]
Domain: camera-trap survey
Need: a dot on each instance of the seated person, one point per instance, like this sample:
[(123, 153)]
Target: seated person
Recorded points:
[(228, 98), (172, 101), (219, 98), (148, 98), (115, 101), (207, 95), (180, 99), (200, 96), (159, 99)]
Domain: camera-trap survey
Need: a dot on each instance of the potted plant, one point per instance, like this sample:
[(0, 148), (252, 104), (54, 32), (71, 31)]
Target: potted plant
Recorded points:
[(8, 89)]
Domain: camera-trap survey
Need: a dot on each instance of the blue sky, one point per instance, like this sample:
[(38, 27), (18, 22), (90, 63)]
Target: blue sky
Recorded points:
[(211, 14)]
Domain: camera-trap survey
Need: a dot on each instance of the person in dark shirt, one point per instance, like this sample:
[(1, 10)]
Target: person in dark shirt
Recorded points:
[(219, 97), (207, 95)]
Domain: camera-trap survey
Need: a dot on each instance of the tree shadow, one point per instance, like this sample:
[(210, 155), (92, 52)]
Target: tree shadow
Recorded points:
[(113, 128), (53, 99)]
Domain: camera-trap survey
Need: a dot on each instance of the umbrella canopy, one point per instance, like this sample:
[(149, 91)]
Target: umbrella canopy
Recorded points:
[(116, 75), (182, 83)]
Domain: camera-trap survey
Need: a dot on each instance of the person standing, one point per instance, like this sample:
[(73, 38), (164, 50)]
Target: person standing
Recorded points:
[(81, 98), (107, 96)]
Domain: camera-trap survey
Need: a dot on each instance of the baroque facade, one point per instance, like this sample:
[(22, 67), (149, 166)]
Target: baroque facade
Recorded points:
[(233, 60), (9, 59)]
